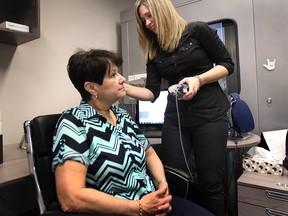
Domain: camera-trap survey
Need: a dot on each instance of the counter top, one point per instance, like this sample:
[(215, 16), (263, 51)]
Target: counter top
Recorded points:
[(15, 164)]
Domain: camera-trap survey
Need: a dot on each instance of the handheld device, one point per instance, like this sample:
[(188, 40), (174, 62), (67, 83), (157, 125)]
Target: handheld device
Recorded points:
[(178, 90)]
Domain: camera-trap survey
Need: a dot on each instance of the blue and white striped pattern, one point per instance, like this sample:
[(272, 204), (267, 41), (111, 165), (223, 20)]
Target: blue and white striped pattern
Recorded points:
[(114, 155)]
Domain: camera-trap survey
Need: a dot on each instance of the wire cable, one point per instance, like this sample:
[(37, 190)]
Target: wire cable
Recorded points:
[(180, 137)]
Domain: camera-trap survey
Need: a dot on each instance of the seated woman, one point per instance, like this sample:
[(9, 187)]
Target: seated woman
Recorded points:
[(101, 159)]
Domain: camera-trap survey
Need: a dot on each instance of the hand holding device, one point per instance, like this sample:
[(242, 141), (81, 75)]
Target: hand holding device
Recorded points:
[(178, 90)]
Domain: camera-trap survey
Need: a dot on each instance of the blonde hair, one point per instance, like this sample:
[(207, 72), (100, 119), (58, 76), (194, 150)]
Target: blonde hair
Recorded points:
[(170, 26)]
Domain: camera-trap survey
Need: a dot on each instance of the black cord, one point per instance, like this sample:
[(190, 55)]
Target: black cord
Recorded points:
[(180, 137)]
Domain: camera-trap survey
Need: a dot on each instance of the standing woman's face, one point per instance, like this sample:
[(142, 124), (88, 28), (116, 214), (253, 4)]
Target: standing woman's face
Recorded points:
[(147, 18)]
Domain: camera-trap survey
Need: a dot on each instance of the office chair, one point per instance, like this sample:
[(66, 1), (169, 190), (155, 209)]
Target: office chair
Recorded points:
[(180, 182), (39, 140)]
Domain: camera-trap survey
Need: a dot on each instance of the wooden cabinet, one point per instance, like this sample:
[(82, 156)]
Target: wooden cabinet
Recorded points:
[(17, 186), (262, 194), (25, 12)]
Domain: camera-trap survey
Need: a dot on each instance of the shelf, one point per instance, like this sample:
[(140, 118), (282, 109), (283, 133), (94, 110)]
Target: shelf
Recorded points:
[(26, 12), (16, 38)]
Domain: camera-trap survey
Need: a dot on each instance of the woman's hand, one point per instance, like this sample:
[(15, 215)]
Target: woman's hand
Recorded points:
[(194, 84), (163, 184), (156, 203)]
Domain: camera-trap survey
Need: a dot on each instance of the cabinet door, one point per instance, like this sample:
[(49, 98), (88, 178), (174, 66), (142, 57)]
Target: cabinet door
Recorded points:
[(271, 33), (133, 60), (178, 3)]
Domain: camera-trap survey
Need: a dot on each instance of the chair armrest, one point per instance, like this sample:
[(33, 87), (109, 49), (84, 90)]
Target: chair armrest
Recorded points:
[(177, 171)]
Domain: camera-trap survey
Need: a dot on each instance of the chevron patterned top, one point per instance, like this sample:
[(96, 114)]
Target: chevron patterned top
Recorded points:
[(114, 155)]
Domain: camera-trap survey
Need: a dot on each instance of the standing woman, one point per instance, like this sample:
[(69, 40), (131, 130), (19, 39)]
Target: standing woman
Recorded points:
[(189, 53)]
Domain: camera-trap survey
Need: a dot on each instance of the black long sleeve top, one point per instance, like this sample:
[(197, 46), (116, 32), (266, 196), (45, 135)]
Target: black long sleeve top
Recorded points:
[(199, 50)]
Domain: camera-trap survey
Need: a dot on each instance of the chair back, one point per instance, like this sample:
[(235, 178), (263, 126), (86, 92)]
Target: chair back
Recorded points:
[(39, 140)]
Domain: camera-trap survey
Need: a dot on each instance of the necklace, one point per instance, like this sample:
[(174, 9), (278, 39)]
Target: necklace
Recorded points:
[(110, 116)]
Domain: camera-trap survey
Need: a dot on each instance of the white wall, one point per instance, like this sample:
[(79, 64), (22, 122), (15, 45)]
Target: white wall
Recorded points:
[(33, 76)]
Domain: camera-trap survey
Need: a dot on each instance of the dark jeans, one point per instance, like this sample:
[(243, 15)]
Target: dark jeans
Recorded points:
[(208, 142), (183, 207)]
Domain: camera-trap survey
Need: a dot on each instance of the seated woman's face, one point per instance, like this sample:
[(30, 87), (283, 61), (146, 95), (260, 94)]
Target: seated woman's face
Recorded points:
[(112, 88)]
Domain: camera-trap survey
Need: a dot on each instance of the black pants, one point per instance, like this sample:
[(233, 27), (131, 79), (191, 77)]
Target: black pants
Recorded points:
[(208, 142), (182, 207)]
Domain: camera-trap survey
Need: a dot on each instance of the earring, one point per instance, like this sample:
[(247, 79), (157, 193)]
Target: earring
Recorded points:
[(95, 97)]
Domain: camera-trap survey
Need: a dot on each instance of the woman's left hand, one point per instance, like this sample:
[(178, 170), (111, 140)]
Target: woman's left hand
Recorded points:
[(162, 185)]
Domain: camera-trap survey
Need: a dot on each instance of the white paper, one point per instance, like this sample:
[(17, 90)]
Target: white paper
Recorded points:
[(136, 76), (260, 153), (276, 142)]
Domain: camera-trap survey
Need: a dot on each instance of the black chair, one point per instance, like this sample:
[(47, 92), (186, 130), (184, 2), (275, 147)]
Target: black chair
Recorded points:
[(180, 182), (39, 140)]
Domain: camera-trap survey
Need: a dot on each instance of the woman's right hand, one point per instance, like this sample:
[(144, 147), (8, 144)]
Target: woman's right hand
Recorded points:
[(138, 93), (156, 203)]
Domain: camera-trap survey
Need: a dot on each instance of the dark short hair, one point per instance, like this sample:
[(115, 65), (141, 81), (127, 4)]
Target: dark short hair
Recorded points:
[(90, 66)]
